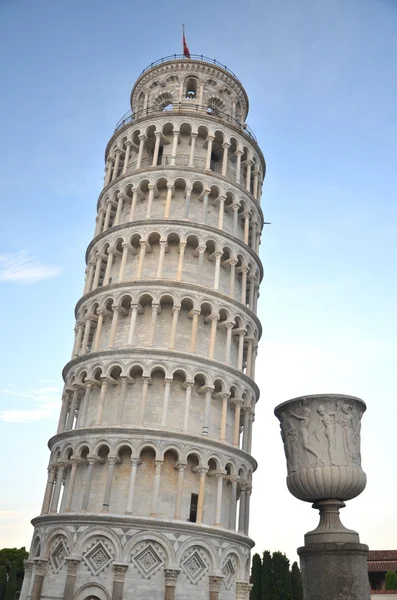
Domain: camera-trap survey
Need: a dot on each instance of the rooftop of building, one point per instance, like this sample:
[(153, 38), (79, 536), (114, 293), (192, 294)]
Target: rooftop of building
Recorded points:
[(382, 560)]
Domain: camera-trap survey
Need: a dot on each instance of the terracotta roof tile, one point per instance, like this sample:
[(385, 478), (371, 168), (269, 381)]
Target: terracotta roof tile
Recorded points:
[(385, 565), (382, 555)]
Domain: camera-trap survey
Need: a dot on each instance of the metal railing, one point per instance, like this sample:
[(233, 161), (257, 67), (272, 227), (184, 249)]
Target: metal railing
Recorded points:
[(172, 57), (181, 107)]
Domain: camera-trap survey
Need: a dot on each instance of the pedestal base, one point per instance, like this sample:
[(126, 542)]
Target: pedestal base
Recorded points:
[(335, 571)]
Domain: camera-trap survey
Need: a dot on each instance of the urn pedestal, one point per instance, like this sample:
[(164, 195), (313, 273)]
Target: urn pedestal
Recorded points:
[(321, 436)]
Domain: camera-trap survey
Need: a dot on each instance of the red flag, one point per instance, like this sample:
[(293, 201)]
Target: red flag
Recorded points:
[(185, 48)]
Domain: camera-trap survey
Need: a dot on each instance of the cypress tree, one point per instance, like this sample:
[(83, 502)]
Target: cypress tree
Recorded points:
[(267, 577), (3, 582), (391, 580), (256, 578), (296, 582), (281, 577), (12, 583)]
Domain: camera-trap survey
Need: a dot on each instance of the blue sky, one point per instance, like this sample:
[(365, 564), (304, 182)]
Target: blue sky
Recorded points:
[(321, 79)]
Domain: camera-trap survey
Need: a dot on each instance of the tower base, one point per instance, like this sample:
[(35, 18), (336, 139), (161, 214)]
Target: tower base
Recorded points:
[(335, 571)]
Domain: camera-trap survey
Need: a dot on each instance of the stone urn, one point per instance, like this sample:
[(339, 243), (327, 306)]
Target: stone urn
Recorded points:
[(321, 436)]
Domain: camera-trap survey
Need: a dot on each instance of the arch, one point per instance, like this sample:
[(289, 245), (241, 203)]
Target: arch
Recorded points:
[(104, 532), (91, 590), (205, 545), (58, 532), (148, 536)]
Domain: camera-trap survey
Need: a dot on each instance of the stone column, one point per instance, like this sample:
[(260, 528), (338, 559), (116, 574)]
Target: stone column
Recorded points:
[(174, 325), (81, 419), (152, 330), (98, 267), (87, 488), (193, 336), (101, 218), (247, 216), (109, 264), (238, 165), (251, 295), (243, 589), (134, 313), (72, 566), (250, 342), (127, 157), (187, 203), (219, 490), (221, 212), (254, 227), (78, 338), (214, 324), (157, 135), (256, 180), (109, 480), (167, 389), (233, 505), (235, 208), (108, 170), (241, 333), (218, 256), (150, 201), (236, 432), (64, 411), (102, 397), (192, 149), (171, 576), (215, 586), (120, 201), (87, 331), (142, 244), (167, 207), (210, 139), (69, 492), (133, 204), (90, 277), (250, 424), (121, 401), (207, 410), (131, 487), (57, 489), (229, 327), (246, 411), (119, 571), (123, 263), (174, 146), (225, 158), (117, 310), (182, 247), (28, 568), (142, 140), (179, 493), (48, 491), (72, 411), (243, 299), (225, 399), (241, 514), (39, 568), (233, 263), (97, 338), (205, 206), (248, 178), (109, 205), (116, 164), (163, 246), (189, 386), (248, 493), (156, 487), (145, 385), (201, 494)]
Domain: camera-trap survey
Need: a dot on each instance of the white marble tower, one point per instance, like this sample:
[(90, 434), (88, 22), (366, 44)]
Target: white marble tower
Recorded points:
[(150, 474)]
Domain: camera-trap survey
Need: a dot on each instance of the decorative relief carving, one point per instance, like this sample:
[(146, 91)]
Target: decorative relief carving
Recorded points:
[(97, 558), (148, 561), (321, 436), (229, 571), (58, 554), (171, 575), (195, 566)]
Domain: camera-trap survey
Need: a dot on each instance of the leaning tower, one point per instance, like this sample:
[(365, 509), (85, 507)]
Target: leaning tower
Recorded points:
[(150, 474)]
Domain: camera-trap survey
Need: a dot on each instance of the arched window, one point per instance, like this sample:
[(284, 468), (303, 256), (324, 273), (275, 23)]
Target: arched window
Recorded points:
[(191, 88)]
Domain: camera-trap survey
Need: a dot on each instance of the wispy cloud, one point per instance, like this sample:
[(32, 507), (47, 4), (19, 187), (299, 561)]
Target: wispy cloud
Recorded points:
[(23, 268), (46, 405)]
